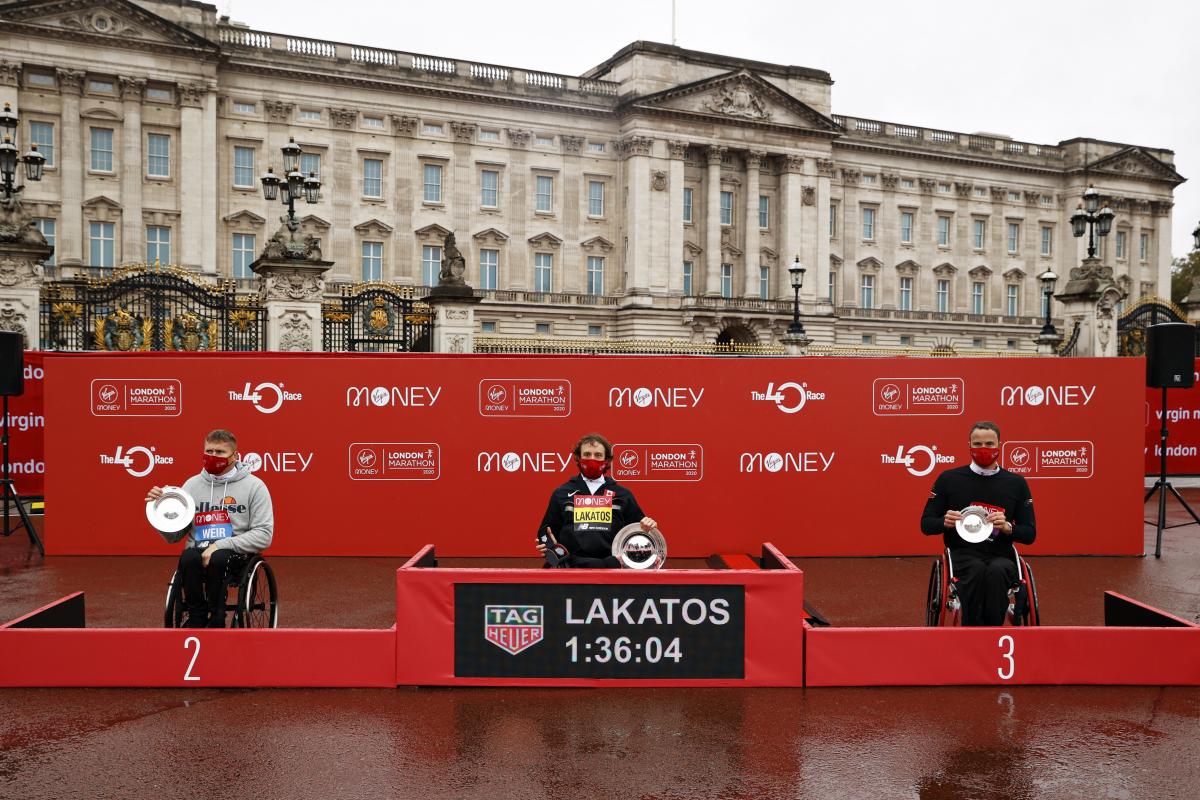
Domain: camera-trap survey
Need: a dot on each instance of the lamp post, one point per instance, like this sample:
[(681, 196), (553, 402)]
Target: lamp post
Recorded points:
[(1089, 218), (796, 273), (9, 158), (292, 185), (1196, 237), (1048, 279)]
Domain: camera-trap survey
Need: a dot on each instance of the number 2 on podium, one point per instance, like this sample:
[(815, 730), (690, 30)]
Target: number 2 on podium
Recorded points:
[(1012, 665), (187, 675)]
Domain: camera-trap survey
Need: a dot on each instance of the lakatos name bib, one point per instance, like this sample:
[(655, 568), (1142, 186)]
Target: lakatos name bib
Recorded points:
[(592, 513)]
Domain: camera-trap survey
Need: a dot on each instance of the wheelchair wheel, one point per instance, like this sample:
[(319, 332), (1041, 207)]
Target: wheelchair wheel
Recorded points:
[(174, 612), (1032, 615), (933, 600), (258, 604)]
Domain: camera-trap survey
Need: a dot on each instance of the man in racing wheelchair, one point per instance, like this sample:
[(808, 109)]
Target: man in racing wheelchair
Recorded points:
[(234, 516), (983, 571)]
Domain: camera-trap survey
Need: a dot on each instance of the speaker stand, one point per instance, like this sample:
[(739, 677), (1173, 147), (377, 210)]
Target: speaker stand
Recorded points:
[(10, 493), (1162, 485)]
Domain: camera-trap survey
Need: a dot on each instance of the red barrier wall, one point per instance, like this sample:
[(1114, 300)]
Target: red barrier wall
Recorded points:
[(823, 456), (25, 425), (1183, 429)]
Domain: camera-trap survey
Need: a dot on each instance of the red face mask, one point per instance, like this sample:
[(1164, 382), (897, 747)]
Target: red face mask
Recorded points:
[(593, 468), (216, 465), (985, 456)]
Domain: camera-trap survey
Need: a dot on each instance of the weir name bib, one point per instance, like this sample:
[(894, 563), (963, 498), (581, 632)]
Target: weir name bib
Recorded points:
[(212, 525)]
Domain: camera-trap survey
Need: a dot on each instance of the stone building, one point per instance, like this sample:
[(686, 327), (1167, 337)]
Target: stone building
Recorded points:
[(661, 194)]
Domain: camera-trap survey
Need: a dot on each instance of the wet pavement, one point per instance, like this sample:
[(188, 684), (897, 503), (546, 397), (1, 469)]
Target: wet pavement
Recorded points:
[(972, 742)]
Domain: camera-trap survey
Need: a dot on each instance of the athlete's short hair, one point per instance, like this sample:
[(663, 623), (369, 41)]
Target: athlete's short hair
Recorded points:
[(596, 439), (986, 425), (221, 436)]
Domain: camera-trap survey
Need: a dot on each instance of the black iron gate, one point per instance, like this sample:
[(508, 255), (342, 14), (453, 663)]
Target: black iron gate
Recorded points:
[(377, 318), (1131, 325), (150, 308)]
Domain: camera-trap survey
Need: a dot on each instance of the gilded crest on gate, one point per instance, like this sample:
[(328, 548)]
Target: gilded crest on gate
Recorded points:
[(189, 334), (378, 319), (123, 332)]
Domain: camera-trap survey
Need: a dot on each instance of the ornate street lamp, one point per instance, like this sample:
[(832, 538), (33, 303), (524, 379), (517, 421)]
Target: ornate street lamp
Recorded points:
[(1196, 236), (796, 273), (9, 158), (1048, 279), (294, 184), (1089, 218)]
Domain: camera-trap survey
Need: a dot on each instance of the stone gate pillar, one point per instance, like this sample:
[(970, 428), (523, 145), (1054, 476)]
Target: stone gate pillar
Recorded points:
[(1090, 298), (292, 283), (453, 302), (22, 251)]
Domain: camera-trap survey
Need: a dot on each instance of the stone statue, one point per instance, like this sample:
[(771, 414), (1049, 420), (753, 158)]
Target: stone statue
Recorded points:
[(454, 266)]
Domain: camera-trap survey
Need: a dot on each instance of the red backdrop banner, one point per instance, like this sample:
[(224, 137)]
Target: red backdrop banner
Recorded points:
[(25, 426), (1183, 429), (380, 455)]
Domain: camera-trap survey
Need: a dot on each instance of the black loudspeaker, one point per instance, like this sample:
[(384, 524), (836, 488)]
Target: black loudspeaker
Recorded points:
[(12, 364), (1170, 355)]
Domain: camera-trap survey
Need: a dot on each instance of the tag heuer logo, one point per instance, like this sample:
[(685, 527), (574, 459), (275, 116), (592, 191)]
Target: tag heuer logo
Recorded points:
[(513, 628)]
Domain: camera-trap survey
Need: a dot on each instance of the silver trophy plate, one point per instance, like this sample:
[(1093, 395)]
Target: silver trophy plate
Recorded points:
[(974, 527), (171, 512), (635, 548)]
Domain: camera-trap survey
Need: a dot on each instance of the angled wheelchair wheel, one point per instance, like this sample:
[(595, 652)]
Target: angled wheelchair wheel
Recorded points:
[(258, 603), (933, 599), (174, 612), (1032, 614)]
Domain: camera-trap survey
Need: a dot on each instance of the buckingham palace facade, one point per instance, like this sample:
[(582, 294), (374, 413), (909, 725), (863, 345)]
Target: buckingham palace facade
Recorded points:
[(660, 195)]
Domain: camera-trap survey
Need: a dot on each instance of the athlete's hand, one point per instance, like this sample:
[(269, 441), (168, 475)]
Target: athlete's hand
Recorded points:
[(951, 518), (997, 519), (541, 547), (648, 524), (207, 554), (154, 493)]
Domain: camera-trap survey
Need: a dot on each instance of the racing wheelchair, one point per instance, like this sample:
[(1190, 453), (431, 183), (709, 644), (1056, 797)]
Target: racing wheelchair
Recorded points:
[(943, 606), (256, 605)]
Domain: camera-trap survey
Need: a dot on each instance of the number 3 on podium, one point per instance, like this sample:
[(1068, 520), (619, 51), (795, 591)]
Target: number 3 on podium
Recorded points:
[(1008, 656)]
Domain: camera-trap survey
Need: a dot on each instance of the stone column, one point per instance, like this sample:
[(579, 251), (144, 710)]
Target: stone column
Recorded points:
[(1162, 247), (211, 178), (291, 284), (851, 234), (1089, 299), (638, 253), (824, 173), (712, 222), (677, 150), (22, 251), (751, 241), (519, 262), (453, 304), (69, 242), (10, 82), (791, 228), (132, 169), (193, 163)]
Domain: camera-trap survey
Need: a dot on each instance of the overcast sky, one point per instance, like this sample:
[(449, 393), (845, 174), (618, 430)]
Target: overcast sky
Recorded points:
[(1037, 71)]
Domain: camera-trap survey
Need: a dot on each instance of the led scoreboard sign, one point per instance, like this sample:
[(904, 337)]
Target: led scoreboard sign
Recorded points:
[(563, 630)]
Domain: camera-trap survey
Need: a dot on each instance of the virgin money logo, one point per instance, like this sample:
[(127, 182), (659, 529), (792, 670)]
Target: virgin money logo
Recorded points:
[(799, 462), (497, 394), (392, 396), (1056, 459), (514, 461), (629, 459), (280, 462), (1050, 395), (108, 393), (367, 458), (917, 397), (654, 397)]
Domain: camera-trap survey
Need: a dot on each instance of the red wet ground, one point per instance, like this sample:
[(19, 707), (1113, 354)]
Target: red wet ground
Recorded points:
[(1011, 743)]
